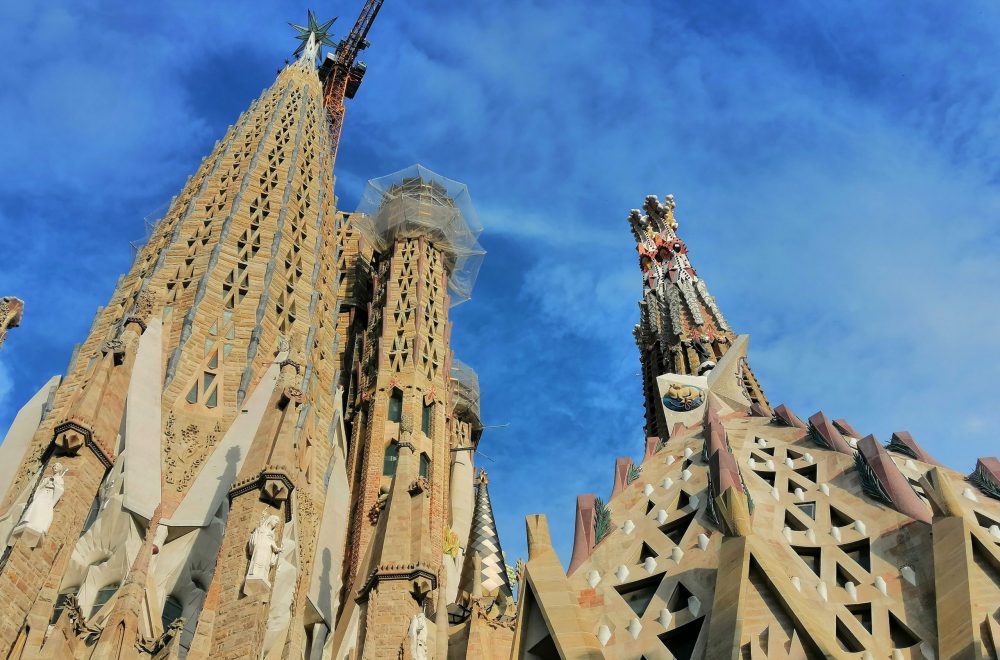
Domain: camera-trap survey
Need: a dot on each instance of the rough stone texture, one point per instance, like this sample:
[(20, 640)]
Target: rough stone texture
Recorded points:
[(272, 337), (748, 536)]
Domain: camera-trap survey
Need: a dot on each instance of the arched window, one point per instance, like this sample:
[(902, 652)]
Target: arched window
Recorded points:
[(425, 465), (396, 406), (61, 601), (104, 594), (172, 610), (425, 422), (391, 459)]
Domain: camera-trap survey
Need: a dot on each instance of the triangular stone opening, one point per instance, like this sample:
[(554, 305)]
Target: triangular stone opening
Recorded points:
[(811, 557), (860, 552), (809, 472), (649, 506), (646, 552), (843, 576), (767, 450), (793, 484), (676, 529), (638, 594), (839, 518), (762, 589), (902, 637), (545, 649), (682, 640), (679, 598), (808, 508), (683, 500), (848, 642), (766, 476), (863, 613), (986, 521), (536, 638), (792, 522)]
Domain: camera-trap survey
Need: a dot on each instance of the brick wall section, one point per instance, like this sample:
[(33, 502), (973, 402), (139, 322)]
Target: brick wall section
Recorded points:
[(238, 629), (26, 570)]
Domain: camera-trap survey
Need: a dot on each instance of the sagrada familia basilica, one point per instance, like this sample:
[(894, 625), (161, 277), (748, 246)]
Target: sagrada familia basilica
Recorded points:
[(264, 448)]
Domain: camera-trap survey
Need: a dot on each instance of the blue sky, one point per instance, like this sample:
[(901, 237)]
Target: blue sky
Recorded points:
[(835, 166)]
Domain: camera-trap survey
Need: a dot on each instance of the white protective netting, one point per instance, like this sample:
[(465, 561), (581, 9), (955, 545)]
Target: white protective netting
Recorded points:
[(414, 202), (466, 393)]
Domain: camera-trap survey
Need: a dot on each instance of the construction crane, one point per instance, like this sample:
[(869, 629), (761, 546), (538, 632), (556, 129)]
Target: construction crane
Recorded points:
[(341, 73)]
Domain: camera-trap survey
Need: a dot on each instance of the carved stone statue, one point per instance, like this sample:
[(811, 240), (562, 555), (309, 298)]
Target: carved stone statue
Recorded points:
[(263, 549), (37, 517), (417, 634)]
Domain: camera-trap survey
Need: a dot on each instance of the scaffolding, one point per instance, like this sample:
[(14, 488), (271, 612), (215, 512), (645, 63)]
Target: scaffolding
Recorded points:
[(417, 202), (466, 394)]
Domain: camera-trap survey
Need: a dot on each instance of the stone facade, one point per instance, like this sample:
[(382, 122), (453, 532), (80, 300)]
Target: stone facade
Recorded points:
[(252, 453), (746, 532)]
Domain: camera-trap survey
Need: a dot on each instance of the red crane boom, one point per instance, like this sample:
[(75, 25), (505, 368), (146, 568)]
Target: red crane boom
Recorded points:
[(341, 73)]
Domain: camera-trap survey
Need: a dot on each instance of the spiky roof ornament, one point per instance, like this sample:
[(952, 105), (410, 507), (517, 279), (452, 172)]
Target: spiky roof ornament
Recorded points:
[(320, 33)]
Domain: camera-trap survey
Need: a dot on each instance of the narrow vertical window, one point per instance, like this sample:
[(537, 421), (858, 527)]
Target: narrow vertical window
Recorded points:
[(390, 459), (425, 465), (425, 422), (396, 406)]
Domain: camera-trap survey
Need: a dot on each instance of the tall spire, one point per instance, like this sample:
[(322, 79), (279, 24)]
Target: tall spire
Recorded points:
[(484, 543), (681, 329)]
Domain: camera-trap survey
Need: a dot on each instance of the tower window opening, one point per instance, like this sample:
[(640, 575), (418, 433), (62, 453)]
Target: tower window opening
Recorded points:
[(396, 406), (425, 465), (172, 610), (391, 459), (425, 422), (104, 594), (62, 600)]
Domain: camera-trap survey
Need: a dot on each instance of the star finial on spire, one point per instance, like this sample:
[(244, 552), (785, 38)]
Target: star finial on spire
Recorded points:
[(313, 35)]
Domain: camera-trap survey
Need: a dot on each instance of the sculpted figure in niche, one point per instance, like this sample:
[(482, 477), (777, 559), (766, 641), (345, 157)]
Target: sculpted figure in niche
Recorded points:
[(263, 549), (418, 637), (37, 516)]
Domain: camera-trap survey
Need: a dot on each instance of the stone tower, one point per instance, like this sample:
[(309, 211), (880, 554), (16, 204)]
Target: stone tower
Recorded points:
[(681, 329), (746, 532), (416, 415), (216, 473)]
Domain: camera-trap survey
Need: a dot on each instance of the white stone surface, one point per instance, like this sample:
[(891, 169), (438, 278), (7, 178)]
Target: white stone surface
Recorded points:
[(143, 428), (325, 580)]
